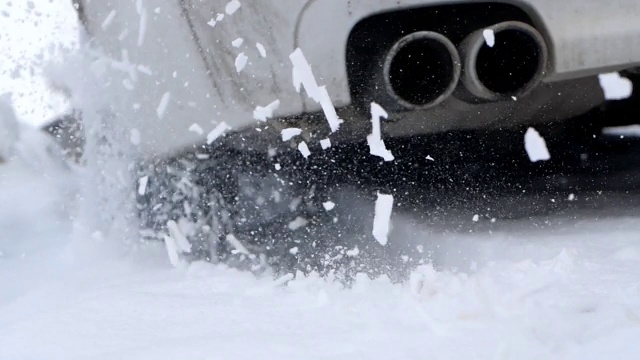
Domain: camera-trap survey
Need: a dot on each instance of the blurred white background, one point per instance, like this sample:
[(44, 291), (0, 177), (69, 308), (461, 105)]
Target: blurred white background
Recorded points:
[(32, 34)]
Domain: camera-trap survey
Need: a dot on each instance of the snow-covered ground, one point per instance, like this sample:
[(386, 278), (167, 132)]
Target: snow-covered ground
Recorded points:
[(569, 291)]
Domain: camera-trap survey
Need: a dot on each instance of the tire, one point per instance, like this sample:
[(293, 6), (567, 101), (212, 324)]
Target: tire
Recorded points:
[(232, 206)]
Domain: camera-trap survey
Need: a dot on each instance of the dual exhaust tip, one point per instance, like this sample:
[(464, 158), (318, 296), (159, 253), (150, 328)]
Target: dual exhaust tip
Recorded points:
[(495, 63)]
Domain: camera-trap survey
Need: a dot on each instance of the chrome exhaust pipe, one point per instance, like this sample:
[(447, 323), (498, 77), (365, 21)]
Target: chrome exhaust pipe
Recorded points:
[(420, 71), (506, 60)]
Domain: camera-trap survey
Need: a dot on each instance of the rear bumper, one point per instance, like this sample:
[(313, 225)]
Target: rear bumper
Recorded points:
[(585, 37)]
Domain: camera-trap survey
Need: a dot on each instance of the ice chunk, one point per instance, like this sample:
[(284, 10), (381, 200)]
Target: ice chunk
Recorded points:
[(303, 77), (172, 251), (145, 70), (489, 37), (217, 132), (329, 205), (232, 7), (430, 158), (175, 232), (134, 136), (212, 23), (263, 113), (290, 133), (241, 62), (536, 146), (261, 50), (382, 218), (196, 129), (615, 87), (325, 143), (164, 102), (237, 245), (476, 218), (108, 20), (237, 42), (304, 149), (142, 185), (142, 29), (376, 144), (298, 223)]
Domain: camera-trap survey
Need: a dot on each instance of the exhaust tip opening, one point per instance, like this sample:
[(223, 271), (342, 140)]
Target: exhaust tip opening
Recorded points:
[(422, 70), (513, 66)]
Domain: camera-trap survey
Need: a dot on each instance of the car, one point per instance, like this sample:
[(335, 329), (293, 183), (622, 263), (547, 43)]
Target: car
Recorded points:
[(230, 93)]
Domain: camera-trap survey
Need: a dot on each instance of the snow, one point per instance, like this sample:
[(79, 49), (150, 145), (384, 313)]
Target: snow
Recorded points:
[(374, 140), (162, 106), (615, 87), (237, 42), (517, 290), (568, 292), (241, 62), (196, 128), (262, 113), (304, 149), (109, 19), (382, 219), (536, 146), (232, 7), (261, 50), (142, 185), (142, 27), (9, 128), (325, 144), (303, 77), (290, 133), (489, 37), (329, 205), (218, 131)]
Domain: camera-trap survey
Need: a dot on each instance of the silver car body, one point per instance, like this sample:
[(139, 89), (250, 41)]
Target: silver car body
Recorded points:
[(183, 57)]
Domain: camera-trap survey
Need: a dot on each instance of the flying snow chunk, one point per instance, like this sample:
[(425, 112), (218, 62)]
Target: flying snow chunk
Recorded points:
[(212, 23), (145, 70), (615, 87), (325, 143), (303, 77), (536, 146), (142, 29), (304, 149), (329, 205), (176, 233), (261, 50), (217, 132), (164, 102), (382, 218), (172, 251), (134, 136), (290, 133), (376, 145), (263, 113), (196, 129), (237, 42), (232, 7), (298, 223), (142, 185), (489, 37), (108, 20), (241, 62)]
